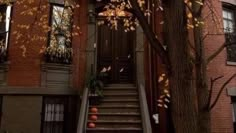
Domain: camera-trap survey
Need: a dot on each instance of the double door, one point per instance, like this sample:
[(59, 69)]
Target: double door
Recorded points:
[(116, 54)]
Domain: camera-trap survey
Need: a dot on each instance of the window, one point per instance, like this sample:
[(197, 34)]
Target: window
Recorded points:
[(5, 18), (228, 20), (58, 115), (59, 49), (230, 33), (61, 25), (233, 100), (1, 97)]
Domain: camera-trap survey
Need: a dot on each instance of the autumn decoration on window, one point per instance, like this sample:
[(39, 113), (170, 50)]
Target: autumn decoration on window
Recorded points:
[(59, 49)]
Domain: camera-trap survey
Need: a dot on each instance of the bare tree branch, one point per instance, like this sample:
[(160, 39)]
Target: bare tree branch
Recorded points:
[(153, 40), (217, 52), (221, 90), (211, 88)]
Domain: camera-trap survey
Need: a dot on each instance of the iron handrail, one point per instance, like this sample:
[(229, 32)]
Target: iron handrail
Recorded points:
[(83, 111)]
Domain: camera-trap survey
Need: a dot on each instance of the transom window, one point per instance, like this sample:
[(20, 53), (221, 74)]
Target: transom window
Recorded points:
[(5, 18)]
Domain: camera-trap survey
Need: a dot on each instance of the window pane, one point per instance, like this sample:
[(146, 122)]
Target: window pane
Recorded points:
[(61, 23), (228, 21), (225, 14), (57, 16), (231, 26), (230, 15), (225, 24), (8, 17)]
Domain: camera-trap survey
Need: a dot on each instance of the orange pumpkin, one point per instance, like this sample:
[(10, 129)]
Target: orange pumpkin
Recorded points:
[(94, 110), (93, 117), (91, 125)]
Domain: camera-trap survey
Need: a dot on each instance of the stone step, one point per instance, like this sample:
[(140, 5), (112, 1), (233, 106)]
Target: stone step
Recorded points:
[(118, 109), (120, 95), (120, 85), (117, 123), (118, 112), (120, 90), (114, 130), (118, 102), (117, 116)]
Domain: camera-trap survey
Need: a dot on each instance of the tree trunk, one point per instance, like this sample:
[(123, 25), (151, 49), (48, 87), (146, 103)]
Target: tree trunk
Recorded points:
[(201, 82), (183, 107)]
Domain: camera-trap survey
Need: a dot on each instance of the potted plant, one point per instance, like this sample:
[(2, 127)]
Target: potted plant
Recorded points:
[(95, 90), (104, 75)]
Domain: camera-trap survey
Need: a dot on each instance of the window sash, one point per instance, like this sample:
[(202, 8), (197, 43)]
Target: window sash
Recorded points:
[(60, 35), (54, 110)]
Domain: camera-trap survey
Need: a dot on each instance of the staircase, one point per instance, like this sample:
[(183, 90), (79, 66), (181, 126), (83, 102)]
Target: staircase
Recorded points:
[(119, 111)]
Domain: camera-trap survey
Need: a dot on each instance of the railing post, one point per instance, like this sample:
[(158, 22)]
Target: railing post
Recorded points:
[(83, 112), (147, 128)]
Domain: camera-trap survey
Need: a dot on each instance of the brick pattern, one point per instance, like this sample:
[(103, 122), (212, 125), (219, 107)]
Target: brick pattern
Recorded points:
[(221, 115), (24, 68), (25, 65)]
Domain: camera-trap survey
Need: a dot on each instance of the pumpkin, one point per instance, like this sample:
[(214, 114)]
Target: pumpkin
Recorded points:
[(93, 117), (91, 125), (94, 110)]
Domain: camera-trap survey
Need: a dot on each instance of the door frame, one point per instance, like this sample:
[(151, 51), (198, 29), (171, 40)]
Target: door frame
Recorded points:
[(134, 47)]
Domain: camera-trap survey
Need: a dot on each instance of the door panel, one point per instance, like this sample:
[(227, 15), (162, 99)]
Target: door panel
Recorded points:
[(115, 49)]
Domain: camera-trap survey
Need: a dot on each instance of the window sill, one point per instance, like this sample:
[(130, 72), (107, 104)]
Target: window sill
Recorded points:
[(231, 63)]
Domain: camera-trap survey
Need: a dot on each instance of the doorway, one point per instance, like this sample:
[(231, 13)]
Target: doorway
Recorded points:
[(115, 54)]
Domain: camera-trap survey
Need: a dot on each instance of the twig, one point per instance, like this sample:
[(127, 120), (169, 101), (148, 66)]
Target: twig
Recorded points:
[(211, 88), (221, 90), (217, 52)]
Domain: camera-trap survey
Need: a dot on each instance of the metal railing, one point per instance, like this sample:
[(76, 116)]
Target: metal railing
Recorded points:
[(144, 109), (231, 46), (81, 128)]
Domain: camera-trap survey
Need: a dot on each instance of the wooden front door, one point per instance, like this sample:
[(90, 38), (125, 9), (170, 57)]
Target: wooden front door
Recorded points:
[(116, 54)]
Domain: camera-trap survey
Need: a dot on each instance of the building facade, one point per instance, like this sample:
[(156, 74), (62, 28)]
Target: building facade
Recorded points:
[(41, 78), (222, 115)]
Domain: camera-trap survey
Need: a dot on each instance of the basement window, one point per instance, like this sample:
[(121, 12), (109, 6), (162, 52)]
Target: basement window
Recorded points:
[(58, 114), (233, 100), (230, 33)]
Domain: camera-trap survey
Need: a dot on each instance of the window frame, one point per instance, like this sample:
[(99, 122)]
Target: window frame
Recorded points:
[(1, 103), (51, 22), (229, 10), (232, 8), (233, 105), (69, 111), (56, 52), (8, 32)]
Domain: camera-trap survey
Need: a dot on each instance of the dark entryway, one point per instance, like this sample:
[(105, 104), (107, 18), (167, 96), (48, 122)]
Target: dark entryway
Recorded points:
[(116, 54)]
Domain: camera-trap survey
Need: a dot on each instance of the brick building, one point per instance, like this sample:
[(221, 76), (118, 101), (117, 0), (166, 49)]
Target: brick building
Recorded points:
[(39, 90), (222, 116)]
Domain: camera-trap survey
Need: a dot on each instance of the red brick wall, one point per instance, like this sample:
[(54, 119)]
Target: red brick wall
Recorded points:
[(79, 45), (24, 68), (25, 65), (221, 115)]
